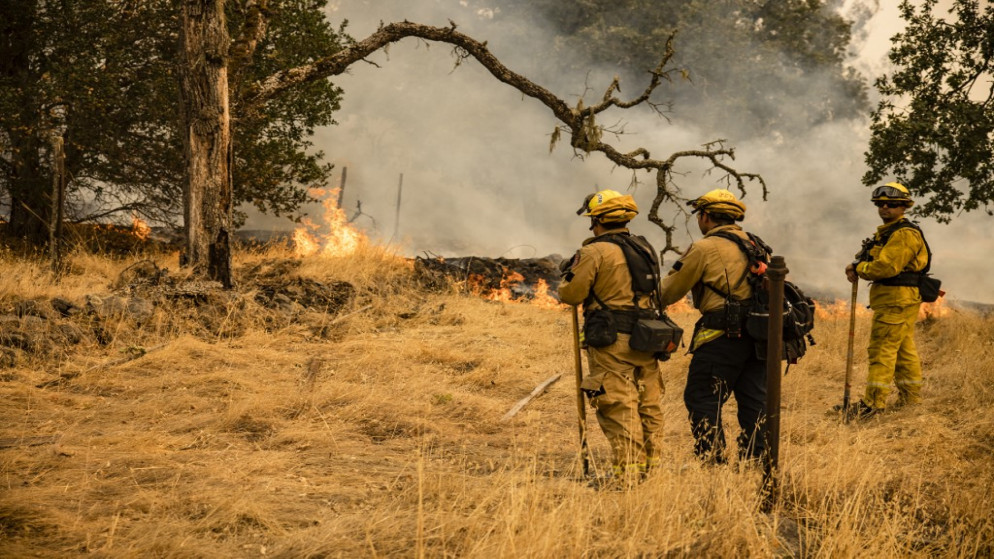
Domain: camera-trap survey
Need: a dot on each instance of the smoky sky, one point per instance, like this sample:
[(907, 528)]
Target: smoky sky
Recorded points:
[(479, 178)]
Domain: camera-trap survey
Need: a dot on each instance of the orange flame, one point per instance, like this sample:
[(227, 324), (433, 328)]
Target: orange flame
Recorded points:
[(503, 293), (543, 298), (932, 311), (139, 228), (539, 295), (838, 310), (342, 239), (680, 307)]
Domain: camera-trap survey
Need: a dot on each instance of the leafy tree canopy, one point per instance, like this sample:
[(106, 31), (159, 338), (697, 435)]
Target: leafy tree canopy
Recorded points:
[(933, 130), (766, 67), (103, 76)]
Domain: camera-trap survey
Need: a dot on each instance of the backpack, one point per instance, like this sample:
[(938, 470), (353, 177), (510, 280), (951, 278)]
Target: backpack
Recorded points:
[(928, 287), (652, 332), (798, 308)]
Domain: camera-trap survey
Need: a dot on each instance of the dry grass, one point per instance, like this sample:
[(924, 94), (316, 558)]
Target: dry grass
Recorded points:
[(378, 433)]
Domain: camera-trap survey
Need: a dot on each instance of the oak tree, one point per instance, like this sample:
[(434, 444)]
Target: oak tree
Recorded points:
[(103, 76), (933, 129)]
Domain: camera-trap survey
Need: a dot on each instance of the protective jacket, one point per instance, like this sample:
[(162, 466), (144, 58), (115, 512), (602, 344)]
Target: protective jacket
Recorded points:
[(600, 268), (710, 261), (904, 251)]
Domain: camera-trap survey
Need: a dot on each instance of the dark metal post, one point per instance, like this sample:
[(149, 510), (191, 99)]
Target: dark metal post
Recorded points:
[(776, 272)]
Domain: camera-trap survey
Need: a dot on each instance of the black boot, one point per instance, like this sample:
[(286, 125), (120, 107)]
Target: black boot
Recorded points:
[(859, 410)]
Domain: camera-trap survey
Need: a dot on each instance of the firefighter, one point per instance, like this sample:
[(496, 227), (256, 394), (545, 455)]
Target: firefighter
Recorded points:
[(725, 359), (624, 385), (896, 252)]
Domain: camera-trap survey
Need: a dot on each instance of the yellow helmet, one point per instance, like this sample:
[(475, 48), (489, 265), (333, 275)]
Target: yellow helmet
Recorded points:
[(892, 191), (609, 206), (719, 202)]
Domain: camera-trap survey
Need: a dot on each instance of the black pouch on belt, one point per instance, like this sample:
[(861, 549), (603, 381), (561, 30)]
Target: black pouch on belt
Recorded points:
[(929, 288), (599, 328), (660, 336)]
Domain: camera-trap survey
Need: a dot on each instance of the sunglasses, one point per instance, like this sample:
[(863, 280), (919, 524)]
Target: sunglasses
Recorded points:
[(890, 205)]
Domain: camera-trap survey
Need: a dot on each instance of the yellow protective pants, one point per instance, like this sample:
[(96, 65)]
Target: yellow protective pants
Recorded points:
[(893, 357), (625, 389)]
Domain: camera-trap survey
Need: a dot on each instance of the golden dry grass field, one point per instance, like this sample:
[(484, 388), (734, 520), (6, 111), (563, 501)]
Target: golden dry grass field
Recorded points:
[(214, 426)]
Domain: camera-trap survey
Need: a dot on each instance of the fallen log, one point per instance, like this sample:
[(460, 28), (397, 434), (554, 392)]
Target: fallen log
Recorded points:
[(535, 393)]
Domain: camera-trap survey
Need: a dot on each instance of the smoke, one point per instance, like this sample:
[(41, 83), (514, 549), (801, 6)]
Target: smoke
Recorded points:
[(478, 177)]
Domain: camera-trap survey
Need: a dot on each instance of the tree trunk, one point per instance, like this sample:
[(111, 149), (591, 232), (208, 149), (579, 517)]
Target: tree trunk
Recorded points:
[(30, 206), (27, 183), (207, 199), (58, 166)]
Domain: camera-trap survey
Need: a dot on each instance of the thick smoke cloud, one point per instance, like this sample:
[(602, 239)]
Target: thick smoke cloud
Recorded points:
[(478, 178)]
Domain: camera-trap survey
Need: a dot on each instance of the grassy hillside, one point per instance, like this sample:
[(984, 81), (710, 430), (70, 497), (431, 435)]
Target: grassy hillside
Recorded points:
[(201, 424)]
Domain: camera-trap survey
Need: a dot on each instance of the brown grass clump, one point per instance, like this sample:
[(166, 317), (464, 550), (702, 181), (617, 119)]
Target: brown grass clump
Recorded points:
[(374, 429)]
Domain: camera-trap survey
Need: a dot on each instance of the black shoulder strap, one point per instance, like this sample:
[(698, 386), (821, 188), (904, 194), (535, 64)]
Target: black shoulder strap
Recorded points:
[(755, 252), (885, 236), (645, 278)]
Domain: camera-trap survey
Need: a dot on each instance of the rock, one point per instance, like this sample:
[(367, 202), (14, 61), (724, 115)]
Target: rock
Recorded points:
[(113, 306), (8, 358), (142, 273), (17, 339), (70, 333), (30, 307), (64, 307)]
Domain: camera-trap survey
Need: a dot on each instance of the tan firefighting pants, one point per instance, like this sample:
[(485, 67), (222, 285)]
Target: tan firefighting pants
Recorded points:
[(893, 357), (626, 391)]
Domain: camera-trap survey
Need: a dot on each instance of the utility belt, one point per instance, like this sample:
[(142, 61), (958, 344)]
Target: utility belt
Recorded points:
[(731, 318), (624, 320), (906, 279), (650, 332)]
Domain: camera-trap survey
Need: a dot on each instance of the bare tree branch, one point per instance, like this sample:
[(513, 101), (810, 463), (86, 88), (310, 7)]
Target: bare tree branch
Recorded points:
[(579, 121)]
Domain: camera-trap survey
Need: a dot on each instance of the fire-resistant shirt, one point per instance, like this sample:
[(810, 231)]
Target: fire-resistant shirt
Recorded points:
[(904, 252), (712, 261), (600, 266)]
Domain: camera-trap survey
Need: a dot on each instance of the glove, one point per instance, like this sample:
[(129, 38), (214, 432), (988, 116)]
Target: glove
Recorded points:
[(566, 266)]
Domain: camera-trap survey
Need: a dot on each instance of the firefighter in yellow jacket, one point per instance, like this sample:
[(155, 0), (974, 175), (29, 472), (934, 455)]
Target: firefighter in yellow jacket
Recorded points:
[(624, 385), (725, 361), (895, 251)]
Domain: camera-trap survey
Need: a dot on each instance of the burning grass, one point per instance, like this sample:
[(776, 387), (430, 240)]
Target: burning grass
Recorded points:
[(375, 431)]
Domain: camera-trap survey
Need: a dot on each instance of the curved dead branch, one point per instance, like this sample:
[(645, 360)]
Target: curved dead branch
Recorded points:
[(579, 121)]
